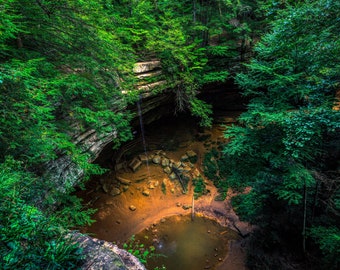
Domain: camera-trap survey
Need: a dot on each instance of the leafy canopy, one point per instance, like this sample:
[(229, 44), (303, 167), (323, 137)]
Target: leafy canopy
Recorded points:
[(284, 135)]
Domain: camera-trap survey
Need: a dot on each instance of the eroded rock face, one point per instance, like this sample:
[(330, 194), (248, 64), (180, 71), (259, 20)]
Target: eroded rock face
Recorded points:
[(143, 67), (65, 173), (104, 255)]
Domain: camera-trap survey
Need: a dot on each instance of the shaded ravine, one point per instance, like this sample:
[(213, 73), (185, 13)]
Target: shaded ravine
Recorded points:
[(148, 195)]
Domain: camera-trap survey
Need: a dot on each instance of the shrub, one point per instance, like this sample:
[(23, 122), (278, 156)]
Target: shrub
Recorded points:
[(29, 237), (200, 187)]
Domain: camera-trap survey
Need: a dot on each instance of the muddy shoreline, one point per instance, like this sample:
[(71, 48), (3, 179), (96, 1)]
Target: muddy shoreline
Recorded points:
[(115, 222), (150, 195)]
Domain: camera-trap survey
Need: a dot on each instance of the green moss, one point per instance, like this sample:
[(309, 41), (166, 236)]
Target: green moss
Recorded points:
[(200, 187), (193, 159), (217, 170), (221, 196), (163, 188)]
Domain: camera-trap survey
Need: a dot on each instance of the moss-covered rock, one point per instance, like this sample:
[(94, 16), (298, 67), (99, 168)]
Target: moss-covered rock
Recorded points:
[(100, 254)]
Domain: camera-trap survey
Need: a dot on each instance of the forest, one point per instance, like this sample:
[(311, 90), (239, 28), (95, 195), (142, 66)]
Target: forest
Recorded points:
[(64, 62)]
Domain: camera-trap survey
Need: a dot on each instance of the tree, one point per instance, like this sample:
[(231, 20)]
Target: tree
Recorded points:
[(285, 134), (67, 67), (60, 64)]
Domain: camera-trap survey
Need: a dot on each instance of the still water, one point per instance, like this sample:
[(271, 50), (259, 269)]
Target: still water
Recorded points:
[(186, 244)]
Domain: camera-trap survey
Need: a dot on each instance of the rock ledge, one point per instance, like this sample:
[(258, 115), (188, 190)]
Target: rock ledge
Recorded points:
[(100, 254)]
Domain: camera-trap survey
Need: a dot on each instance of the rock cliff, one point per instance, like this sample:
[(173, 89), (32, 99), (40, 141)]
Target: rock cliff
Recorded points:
[(65, 172)]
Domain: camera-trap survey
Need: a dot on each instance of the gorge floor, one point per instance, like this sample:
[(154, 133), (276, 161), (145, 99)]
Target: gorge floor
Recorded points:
[(148, 196)]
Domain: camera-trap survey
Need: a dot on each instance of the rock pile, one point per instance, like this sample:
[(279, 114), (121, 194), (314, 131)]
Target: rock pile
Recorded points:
[(182, 170), (159, 157)]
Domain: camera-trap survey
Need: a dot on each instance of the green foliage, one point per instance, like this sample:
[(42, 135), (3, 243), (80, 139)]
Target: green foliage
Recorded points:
[(289, 117), (200, 187), (195, 41), (284, 135), (160, 268), (28, 112), (215, 169), (64, 65), (219, 76), (139, 250), (328, 239), (293, 181), (305, 129), (72, 59), (248, 206), (61, 64), (30, 238), (210, 164), (203, 110)]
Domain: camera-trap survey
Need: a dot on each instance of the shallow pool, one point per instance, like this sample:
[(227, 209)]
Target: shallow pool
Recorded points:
[(186, 244)]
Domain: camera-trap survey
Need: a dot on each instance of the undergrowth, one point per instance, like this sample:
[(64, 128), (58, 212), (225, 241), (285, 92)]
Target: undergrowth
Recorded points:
[(142, 253), (34, 235), (200, 187)]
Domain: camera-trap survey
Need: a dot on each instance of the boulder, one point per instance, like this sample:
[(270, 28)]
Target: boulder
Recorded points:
[(172, 176), (186, 206), (106, 187), (151, 186), (186, 168), (144, 158), (120, 166), (177, 164), (191, 153), (115, 191), (99, 254), (146, 193), (132, 207), (124, 181), (165, 162), (135, 164), (167, 170), (156, 159), (160, 153), (196, 173), (180, 169)]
